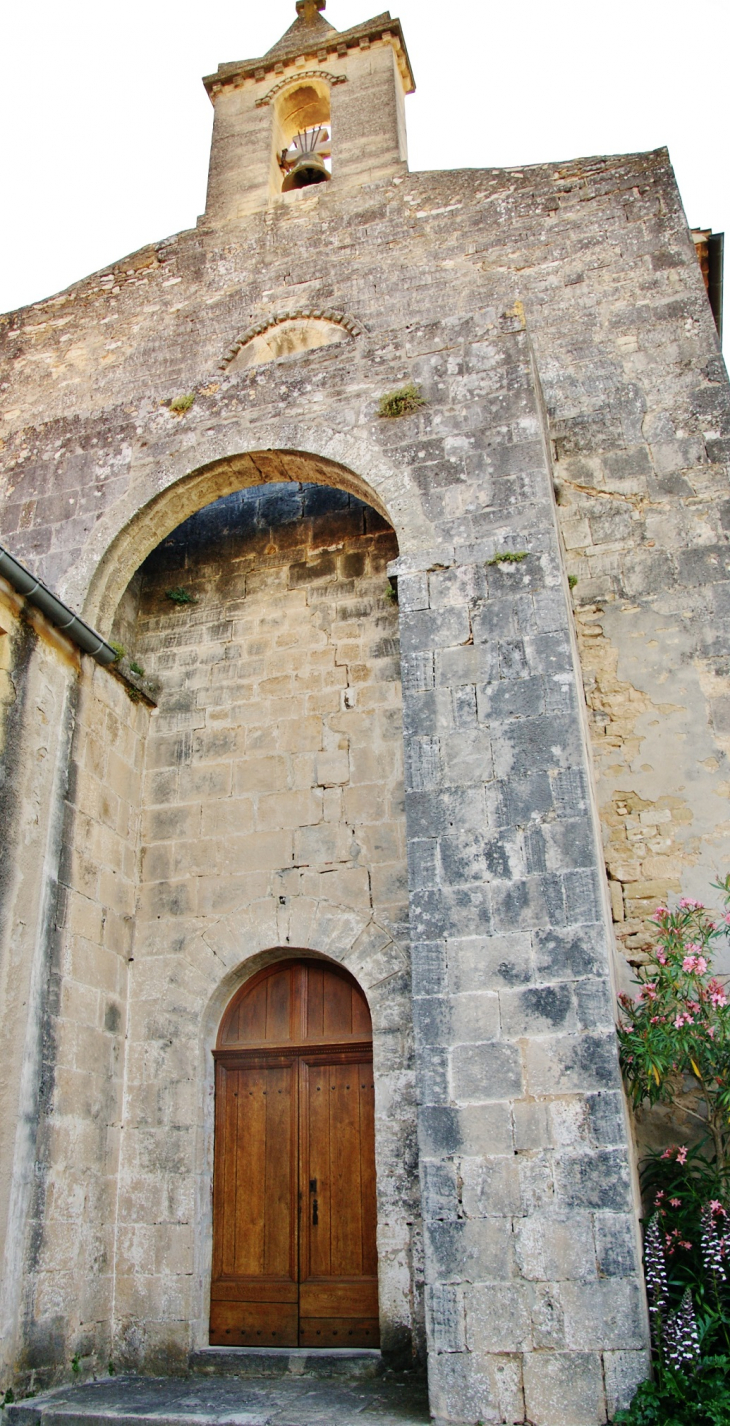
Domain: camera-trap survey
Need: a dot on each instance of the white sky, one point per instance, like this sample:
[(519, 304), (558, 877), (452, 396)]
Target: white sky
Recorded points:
[(106, 126)]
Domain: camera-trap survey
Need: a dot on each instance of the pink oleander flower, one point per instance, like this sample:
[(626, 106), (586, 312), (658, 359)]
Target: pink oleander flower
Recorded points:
[(694, 963), (726, 917), (662, 959), (683, 1018), (676, 1202), (711, 1031), (662, 911), (716, 1206), (681, 1155), (688, 903)]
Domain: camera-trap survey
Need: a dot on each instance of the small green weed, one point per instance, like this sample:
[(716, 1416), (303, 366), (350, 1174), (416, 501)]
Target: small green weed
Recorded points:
[(8, 1398), (111, 1368), (391, 591), (181, 404), (119, 649), (136, 668), (180, 595), (572, 581), (509, 557), (401, 403), (75, 1364)]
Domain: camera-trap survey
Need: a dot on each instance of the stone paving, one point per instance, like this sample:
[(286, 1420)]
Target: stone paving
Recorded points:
[(294, 1399)]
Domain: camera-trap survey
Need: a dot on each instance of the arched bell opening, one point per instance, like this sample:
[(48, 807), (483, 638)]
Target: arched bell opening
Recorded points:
[(294, 1204), (303, 135)]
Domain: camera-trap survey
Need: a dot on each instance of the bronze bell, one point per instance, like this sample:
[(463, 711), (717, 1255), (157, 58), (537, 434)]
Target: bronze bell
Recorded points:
[(308, 169)]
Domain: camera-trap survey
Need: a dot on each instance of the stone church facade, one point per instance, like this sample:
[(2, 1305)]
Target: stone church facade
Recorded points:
[(439, 699)]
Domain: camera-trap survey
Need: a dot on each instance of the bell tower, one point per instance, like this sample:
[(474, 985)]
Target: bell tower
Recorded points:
[(321, 106)]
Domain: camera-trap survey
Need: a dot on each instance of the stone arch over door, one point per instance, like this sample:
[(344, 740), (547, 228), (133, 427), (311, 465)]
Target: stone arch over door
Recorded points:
[(335, 936), (294, 1200)]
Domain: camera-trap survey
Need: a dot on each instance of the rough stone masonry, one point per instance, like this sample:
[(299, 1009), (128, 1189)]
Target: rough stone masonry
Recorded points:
[(467, 799)]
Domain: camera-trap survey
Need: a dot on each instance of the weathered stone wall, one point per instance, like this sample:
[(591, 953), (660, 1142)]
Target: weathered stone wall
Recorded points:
[(272, 822), (598, 258), (40, 671), (70, 1291), (66, 887), (575, 283)]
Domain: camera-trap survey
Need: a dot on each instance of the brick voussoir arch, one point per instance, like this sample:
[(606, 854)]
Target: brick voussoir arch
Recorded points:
[(300, 314)]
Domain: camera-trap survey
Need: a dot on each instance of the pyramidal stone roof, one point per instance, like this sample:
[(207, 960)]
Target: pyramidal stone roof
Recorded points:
[(309, 29), (312, 35)]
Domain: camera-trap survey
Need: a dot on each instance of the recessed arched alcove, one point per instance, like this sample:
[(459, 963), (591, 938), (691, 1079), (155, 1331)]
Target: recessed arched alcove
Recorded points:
[(168, 509), (271, 816)]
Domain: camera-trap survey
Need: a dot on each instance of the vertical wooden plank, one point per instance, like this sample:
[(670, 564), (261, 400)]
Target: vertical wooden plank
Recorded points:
[(361, 1021), (345, 1171), (278, 1006), (367, 1167), (250, 1151), (279, 1181), (251, 1025), (219, 1168), (337, 1006), (315, 1001), (230, 1172), (318, 1259)]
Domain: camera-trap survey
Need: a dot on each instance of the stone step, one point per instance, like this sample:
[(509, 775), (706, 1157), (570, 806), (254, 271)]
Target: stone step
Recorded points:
[(281, 1399), (355, 1365)]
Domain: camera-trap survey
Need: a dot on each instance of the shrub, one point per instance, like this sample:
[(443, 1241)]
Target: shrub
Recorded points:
[(180, 596), (674, 1034), (181, 404), (509, 557), (402, 402), (679, 1024)]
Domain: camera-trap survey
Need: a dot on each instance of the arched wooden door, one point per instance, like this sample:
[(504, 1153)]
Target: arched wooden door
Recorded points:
[(294, 1255)]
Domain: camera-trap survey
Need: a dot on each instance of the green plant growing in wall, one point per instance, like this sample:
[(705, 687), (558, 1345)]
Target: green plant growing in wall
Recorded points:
[(136, 668), (402, 402), (509, 557), (75, 1364), (180, 404), (8, 1398), (572, 581), (119, 649), (180, 596)]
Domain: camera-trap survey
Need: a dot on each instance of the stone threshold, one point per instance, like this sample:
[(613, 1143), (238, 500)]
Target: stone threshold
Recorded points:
[(286, 1399)]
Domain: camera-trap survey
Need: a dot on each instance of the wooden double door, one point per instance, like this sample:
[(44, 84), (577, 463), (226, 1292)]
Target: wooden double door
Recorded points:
[(294, 1252)]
